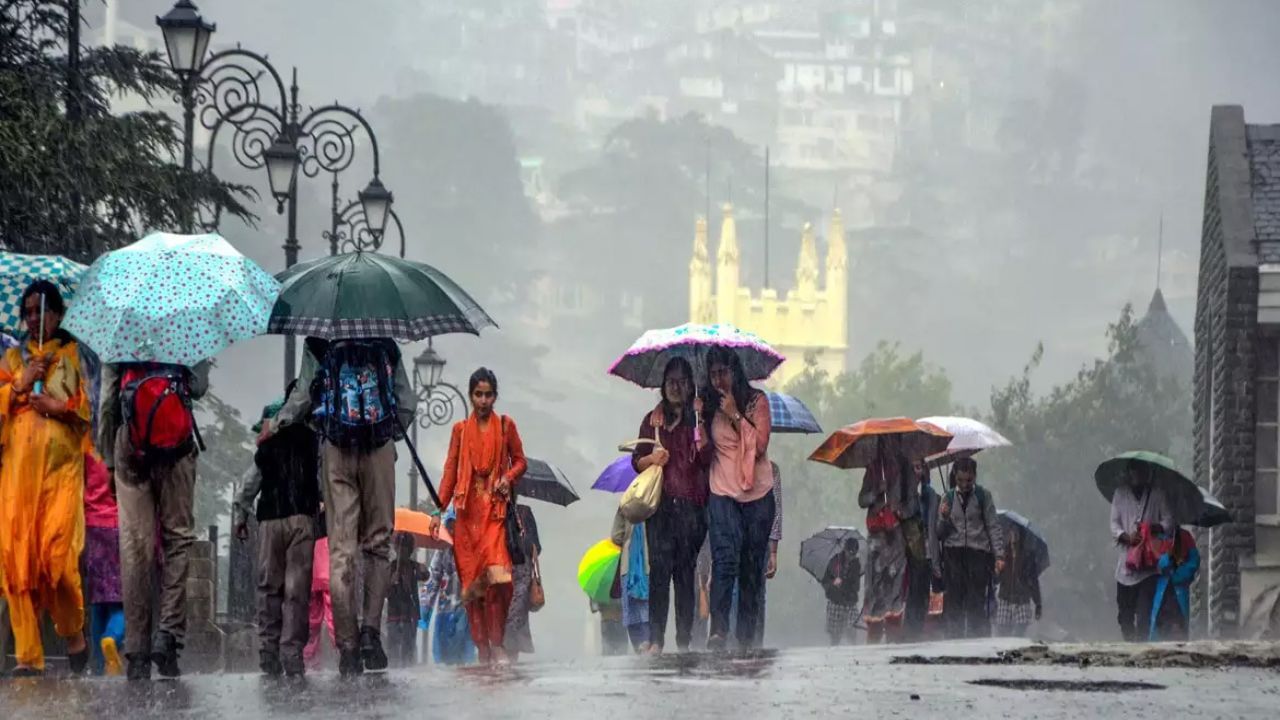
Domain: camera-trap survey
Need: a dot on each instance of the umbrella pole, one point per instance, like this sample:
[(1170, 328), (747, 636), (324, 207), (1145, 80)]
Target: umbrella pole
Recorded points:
[(413, 452), (39, 384)]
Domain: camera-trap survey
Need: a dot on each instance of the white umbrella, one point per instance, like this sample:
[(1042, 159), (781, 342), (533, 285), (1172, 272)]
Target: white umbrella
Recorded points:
[(969, 437)]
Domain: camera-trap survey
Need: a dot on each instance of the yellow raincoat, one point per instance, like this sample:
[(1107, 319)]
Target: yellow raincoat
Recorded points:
[(42, 499)]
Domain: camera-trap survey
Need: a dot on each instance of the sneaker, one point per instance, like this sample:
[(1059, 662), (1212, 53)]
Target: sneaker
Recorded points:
[(111, 657), (371, 652), (716, 643), (165, 656), (293, 667), (139, 667), (269, 662), (349, 664)]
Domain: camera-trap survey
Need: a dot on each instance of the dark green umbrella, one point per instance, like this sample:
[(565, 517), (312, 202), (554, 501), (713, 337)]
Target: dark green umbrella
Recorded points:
[(1185, 500), (364, 294)]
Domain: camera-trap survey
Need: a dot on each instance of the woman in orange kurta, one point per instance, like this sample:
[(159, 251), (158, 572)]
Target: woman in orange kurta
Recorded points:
[(486, 460), (44, 436)]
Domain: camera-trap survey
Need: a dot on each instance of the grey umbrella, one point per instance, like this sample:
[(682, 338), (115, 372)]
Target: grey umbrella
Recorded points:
[(817, 551)]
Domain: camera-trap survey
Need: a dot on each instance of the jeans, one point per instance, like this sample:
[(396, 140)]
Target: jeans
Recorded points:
[(675, 535), (739, 550)]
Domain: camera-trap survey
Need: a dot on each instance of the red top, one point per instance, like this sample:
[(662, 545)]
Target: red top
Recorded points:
[(685, 474), (100, 509)]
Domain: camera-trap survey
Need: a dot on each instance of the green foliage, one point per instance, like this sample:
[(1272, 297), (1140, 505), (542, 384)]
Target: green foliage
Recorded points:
[(1118, 403), (76, 178), (228, 454)]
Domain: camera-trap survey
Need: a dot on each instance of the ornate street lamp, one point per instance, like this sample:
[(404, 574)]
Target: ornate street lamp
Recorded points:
[(186, 37), (428, 368), (282, 170), (376, 200), (438, 402)]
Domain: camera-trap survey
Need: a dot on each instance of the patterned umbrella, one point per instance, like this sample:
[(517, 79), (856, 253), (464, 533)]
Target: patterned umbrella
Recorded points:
[(18, 271), (617, 477), (598, 568), (546, 482), (858, 445), (169, 298), (372, 295), (969, 438), (646, 360), (789, 415)]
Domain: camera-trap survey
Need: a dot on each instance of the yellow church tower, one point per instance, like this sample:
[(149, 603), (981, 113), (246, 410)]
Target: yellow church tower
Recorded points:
[(813, 318)]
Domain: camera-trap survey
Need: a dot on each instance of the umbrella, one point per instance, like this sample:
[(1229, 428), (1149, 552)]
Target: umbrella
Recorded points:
[(817, 550), (169, 298), (1214, 513), (598, 568), (1184, 496), (18, 271), (859, 444), (617, 477), (1032, 537), (969, 437), (418, 524), (789, 415), (372, 295), (544, 481), (646, 360)]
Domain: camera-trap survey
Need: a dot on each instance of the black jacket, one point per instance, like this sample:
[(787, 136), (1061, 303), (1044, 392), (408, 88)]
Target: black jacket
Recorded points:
[(290, 466)]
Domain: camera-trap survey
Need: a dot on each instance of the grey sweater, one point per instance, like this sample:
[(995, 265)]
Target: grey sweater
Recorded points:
[(972, 523)]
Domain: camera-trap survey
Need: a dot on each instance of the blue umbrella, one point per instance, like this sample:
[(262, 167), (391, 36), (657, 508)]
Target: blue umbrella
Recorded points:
[(17, 271), (617, 477), (1032, 538), (789, 415)]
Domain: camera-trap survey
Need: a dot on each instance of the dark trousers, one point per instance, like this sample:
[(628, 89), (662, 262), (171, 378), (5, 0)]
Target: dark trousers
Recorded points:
[(918, 574), (968, 575), (403, 642), (1133, 603), (675, 534), (739, 548)]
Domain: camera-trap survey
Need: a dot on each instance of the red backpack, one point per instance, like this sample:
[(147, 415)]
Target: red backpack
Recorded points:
[(156, 400)]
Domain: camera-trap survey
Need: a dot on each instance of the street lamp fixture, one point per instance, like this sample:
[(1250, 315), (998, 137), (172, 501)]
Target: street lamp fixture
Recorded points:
[(282, 169), (428, 368), (186, 37), (376, 200)]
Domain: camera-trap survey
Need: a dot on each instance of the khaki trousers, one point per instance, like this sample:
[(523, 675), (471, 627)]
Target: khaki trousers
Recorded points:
[(285, 549), (360, 498)]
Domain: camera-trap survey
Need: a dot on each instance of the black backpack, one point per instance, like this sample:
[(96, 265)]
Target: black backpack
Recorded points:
[(354, 393)]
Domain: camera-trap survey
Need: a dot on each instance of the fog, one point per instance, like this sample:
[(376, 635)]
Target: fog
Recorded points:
[(1014, 197)]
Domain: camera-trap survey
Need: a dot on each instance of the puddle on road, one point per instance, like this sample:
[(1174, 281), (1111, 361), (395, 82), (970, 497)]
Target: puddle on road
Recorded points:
[(1099, 686)]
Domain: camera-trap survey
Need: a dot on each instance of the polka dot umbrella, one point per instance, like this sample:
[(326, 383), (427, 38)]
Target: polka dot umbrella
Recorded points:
[(168, 298)]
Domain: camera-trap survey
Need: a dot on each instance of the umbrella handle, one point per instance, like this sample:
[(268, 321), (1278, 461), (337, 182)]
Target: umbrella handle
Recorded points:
[(413, 452)]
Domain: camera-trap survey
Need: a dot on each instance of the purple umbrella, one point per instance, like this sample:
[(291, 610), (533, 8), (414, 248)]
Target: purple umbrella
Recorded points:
[(617, 477)]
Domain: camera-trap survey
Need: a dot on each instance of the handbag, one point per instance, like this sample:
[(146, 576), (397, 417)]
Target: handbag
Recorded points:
[(515, 548), (882, 520), (537, 597), (1146, 554), (643, 496)]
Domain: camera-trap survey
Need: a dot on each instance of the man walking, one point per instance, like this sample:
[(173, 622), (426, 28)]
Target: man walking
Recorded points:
[(972, 546)]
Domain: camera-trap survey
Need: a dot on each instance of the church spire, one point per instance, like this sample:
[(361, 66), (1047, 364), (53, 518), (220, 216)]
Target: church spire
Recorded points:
[(727, 269), (807, 267), (700, 275)]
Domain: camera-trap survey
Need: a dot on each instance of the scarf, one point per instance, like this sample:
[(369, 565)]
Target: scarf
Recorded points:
[(637, 576), (481, 454)]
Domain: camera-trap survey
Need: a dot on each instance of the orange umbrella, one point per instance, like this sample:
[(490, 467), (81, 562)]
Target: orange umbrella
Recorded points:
[(418, 524), (858, 445)]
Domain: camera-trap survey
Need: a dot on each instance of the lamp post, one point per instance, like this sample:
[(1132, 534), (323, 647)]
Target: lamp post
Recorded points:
[(438, 402), (240, 91)]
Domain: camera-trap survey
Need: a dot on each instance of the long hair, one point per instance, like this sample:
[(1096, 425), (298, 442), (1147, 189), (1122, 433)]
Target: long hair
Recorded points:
[(965, 464), (482, 375), (743, 393), (685, 411)]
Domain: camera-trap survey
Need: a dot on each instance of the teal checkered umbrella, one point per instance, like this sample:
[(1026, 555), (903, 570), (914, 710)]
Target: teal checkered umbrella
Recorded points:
[(176, 299), (18, 271)]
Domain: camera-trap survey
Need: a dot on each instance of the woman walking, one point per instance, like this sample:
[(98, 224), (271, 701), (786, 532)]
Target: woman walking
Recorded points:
[(46, 416), (883, 493), (518, 638), (675, 532), (741, 508), (486, 459), (102, 587)]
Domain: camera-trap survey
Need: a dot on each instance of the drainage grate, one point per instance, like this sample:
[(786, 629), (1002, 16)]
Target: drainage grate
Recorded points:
[(1103, 686)]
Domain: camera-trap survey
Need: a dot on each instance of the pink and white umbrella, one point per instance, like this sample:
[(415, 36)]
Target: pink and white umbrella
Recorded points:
[(646, 360), (969, 437)]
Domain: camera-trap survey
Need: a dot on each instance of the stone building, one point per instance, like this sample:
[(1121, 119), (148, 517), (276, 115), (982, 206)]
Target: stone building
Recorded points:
[(813, 318), (1237, 364)]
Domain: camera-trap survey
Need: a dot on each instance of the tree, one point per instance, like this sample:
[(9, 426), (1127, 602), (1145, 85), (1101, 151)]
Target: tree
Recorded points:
[(75, 178), (887, 382), (229, 448), (1119, 403)]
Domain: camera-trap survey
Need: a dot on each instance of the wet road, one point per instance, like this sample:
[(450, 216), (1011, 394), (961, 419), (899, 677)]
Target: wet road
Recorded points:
[(823, 683)]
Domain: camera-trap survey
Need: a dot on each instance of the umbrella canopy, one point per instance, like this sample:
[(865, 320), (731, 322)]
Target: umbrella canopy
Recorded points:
[(1185, 498), (18, 271), (360, 294), (789, 415), (176, 299), (418, 524), (858, 445), (817, 551), (598, 568), (1214, 513), (969, 437), (546, 482), (617, 477), (646, 360), (1031, 535)]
